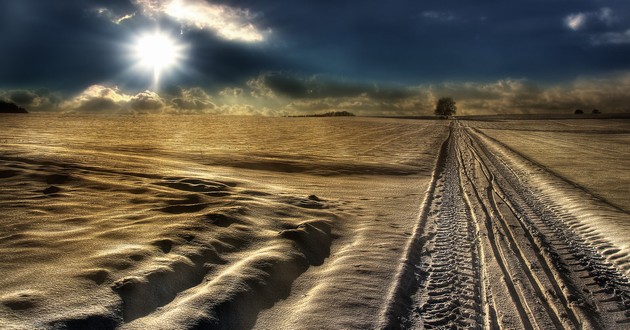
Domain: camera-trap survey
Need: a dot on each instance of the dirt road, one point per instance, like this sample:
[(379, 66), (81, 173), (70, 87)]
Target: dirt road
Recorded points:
[(495, 247)]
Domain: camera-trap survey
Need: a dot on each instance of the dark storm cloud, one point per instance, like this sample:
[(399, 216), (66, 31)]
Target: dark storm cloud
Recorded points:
[(297, 87), (364, 56), (218, 62), (33, 100), (73, 43), (54, 44), (68, 45), (22, 97), (412, 41)]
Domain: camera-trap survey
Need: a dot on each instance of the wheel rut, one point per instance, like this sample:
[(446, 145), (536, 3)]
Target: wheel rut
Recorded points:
[(492, 252), (593, 290), (526, 288), (449, 296)]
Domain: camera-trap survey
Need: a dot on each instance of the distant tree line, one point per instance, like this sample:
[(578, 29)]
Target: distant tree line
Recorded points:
[(446, 107), (10, 107), (330, 114), (580, 111)]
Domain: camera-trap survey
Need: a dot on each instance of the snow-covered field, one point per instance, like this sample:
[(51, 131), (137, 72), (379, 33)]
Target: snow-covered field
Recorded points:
[(174, 222)]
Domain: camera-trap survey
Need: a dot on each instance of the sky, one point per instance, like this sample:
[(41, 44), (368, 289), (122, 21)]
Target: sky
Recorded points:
[(299, 57)]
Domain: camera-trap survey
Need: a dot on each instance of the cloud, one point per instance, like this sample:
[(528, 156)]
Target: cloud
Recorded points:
[(258, 87), (600, 25), (611, 38), (227, 22), (578, 21), (281, 84), (192, 99), (103, 99), (606, 16), (505, 96), (439, 16), (231, 92), (575, 21), (97, 98), (520, 96), (289, 93), (96, 105), (22, 97), (146, 101), (99, 91), (279, 94), (418, 104), (111, 16), (32, 100)]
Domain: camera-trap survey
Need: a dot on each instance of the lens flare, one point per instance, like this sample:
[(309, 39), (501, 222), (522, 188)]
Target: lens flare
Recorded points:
[(157, 52)]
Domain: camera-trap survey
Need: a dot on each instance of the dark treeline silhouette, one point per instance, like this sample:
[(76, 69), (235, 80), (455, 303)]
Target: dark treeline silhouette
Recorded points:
[(10, 107), (330, 114), (581, 112)]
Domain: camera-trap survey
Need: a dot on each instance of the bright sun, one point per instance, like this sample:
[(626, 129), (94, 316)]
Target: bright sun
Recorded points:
[(157, 52)]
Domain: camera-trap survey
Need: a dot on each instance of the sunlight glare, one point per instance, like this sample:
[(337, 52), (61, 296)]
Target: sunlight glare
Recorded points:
[(157, 52)]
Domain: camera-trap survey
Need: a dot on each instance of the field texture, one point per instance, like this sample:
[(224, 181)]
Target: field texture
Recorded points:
[(183, 222)]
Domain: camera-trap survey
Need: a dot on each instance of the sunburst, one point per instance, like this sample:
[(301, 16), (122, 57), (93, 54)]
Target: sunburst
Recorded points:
[(157, 52)]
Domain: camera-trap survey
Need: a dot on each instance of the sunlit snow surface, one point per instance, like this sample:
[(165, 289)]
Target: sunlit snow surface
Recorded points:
[(182, 221), (172, 220)]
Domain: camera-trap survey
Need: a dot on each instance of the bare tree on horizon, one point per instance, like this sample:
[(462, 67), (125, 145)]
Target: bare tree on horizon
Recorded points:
[(445, 107)]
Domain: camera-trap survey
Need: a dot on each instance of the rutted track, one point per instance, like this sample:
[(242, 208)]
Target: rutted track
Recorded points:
[(449, 272), (495, 252)]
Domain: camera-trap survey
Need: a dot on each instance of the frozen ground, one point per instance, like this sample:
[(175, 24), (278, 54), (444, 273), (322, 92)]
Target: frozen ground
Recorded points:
[(284, 223)]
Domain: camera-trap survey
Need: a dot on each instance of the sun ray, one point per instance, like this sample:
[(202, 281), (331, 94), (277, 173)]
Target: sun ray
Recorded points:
[(157, 52)]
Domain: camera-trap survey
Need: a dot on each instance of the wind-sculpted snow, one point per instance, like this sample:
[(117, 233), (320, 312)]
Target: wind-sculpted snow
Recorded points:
[(136, 223), (142, 244)]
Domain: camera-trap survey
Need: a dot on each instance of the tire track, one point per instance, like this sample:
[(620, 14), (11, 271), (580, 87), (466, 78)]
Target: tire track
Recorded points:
[(439, 285), (596, 290), (532, 292), (498, 255), (450, 295), (409, 275), (492, 252)]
